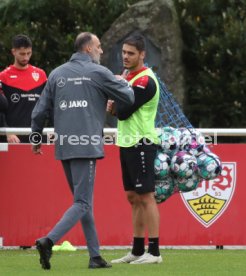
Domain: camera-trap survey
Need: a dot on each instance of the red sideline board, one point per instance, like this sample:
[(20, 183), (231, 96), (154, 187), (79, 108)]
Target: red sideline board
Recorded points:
[(34, 194)]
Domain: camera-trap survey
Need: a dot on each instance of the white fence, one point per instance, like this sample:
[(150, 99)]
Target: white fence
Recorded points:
[(113, 131)]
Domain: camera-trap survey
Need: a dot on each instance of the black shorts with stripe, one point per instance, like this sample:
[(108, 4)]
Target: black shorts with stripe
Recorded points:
[(137, 165)]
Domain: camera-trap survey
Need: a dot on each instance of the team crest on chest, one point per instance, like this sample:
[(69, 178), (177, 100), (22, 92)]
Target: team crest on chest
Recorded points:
[(212, 197), (35, 76)]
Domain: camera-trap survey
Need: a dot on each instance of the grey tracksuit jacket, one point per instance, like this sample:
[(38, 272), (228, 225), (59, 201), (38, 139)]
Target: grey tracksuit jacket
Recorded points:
[(77, 93)]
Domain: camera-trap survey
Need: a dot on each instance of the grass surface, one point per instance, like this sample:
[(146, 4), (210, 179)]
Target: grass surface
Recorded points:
[(176, 262)]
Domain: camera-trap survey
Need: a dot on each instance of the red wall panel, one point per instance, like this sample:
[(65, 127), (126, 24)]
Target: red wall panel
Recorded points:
[(34, 194)]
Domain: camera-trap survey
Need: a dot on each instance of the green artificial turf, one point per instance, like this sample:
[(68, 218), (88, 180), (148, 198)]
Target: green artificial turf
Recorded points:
[(176, 262)]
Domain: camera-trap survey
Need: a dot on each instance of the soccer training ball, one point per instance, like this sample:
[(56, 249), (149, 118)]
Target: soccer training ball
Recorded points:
[(197, 143), (209, 165), (162, 165), (205, 150), (169, 138), (163, 189), (187, 184), (183, 164), (184, 139), (192, 141)]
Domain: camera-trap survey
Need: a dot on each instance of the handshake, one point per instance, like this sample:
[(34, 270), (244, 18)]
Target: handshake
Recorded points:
[(111, 107), (111, 104)]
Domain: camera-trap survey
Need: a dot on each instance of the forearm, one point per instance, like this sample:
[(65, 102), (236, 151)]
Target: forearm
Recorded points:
[(142, 96)]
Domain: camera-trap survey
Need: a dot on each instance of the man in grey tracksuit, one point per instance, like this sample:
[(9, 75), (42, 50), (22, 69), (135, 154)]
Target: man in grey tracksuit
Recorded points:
[(77, 93)]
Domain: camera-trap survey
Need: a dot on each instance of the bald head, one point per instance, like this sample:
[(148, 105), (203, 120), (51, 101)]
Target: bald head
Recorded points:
[(82, 40), (89, 43)]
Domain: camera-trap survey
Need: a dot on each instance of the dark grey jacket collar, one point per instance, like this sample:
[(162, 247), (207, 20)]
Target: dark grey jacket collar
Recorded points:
[(80, 56)]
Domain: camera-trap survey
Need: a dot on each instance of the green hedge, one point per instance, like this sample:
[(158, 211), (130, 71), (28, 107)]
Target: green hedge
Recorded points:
[(214, 35), (53, 25)]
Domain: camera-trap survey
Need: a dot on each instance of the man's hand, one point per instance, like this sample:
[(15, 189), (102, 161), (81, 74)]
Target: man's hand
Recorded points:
[(111, 107), (35, 138), (13, 139), (119, 77), (125, 73), (36, 149)]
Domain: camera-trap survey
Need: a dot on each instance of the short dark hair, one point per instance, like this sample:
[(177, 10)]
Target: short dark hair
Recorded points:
[(82, 40), (21, 40), (136, 40)]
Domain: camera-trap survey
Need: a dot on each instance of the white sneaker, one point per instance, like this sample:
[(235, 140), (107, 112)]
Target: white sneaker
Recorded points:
[(147, 258), (126, 259)]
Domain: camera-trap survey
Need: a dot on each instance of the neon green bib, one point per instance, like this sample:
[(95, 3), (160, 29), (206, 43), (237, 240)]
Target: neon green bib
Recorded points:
[(141, 124)]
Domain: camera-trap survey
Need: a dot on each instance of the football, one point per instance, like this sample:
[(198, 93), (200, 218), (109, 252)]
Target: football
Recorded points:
[(197, 143), (169, 139), (184, 139), (209, 165), (162, 165), (192, 140), (187, 184), (183, 164), (163, 189)]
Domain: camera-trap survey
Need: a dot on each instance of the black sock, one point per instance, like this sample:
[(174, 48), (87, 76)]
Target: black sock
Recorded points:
[(154, 246), (138, 246)]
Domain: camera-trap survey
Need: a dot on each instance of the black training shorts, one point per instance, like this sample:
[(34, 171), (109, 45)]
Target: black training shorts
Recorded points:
[(137, 165)]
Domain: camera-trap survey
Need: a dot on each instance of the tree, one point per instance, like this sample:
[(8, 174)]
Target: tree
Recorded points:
[(53, 25), (214, 46), (214, 35)]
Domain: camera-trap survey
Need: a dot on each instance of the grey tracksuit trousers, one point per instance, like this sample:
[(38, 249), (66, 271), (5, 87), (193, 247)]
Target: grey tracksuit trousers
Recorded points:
[(80, 174)]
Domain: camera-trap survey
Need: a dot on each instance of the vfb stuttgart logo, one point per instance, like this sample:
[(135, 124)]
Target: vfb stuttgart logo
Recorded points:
[(212, 197)]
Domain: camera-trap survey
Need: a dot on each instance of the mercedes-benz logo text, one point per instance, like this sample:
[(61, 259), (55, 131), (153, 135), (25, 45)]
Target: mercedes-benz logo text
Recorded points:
[(61, 82), (15, 98)]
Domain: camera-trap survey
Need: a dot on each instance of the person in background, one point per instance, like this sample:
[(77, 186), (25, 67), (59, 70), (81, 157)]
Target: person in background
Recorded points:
[(22, 85), (138, 152), (3, 109), (78, 92)]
